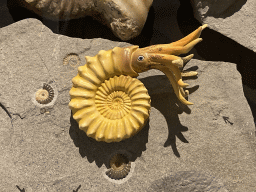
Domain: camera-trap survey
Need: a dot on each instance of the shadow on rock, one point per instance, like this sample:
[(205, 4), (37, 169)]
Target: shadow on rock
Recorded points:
[(100, 151), (218, 47), (169, 105), (166, 103)]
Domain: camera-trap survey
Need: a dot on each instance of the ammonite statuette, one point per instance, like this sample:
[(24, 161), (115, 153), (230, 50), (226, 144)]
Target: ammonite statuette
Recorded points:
[(108, 103), (126, 18)]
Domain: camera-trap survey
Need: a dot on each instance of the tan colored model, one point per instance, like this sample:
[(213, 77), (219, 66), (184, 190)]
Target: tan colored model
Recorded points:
[(109, 103), (125, 18)]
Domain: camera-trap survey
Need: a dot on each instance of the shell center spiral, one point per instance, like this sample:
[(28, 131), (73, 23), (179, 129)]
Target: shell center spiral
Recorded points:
[(114, 105), (117, 103), (118, 100)]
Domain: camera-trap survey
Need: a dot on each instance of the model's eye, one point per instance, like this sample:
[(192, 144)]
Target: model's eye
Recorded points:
[(140, 58)]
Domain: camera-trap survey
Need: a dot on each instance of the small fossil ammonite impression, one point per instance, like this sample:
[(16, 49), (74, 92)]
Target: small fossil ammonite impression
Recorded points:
[(45, 95), (120, 167), (72, 59)]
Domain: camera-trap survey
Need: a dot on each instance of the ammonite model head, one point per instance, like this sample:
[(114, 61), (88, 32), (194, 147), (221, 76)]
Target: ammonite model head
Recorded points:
[(108, 103)]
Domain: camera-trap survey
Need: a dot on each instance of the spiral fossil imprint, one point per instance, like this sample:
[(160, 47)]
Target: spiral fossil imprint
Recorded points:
[(120, 167), (45, 95), (108, 103), (126, 18)]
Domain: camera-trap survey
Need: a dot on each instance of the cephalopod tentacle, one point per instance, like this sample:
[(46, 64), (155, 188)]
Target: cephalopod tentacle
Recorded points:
[(187, 59), (177, 50), (192, 36), (164, 57), (184, 92), (179, 46), (188, 73), (176, 89), (170, 61)]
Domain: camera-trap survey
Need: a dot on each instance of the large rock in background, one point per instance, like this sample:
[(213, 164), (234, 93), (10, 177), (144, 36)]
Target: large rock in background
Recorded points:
[(207, 146), (215, 8), (125, 18), (235, 19)]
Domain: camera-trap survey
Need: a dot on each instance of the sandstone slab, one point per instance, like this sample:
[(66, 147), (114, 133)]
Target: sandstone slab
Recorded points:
[(209, 146)]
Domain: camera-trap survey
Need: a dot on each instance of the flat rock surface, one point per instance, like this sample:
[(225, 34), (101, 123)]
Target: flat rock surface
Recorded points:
[(209, 146)]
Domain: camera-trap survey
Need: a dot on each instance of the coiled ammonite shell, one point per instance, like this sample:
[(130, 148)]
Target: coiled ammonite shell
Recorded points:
[(113, 111), (45, 95), (108, 103), (120, 167)]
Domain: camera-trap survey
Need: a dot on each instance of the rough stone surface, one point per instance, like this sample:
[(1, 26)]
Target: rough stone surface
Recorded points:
[(212, 140), (235, 19), (235, 24)]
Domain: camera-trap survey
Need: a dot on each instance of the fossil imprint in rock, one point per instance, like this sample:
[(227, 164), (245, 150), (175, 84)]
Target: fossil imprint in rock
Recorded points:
[(45, 95), (108, 103), (126, 18), (120, 167)]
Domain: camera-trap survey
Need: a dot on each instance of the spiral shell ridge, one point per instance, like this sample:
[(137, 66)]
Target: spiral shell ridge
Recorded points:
[(108, 104)]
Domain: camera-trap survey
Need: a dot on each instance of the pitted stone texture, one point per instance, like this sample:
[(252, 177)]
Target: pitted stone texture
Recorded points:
[(47, 151)]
